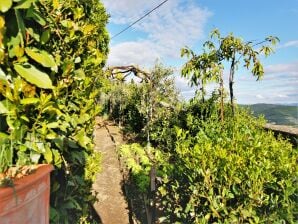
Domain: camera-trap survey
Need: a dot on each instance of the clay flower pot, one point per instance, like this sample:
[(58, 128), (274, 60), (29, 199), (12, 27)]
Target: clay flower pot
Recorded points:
[(28, 201)]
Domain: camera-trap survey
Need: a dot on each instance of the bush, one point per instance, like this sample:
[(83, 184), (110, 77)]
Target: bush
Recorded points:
[(231, 173)]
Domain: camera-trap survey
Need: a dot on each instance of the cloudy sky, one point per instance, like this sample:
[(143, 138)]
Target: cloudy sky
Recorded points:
[(180, 23)]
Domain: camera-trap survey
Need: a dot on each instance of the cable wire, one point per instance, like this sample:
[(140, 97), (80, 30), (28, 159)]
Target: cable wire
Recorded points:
[(138, 20)]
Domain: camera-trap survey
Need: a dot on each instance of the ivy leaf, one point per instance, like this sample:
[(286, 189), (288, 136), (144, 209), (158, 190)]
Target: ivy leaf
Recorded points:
[(5, 5), (34, 76), (42, 57)]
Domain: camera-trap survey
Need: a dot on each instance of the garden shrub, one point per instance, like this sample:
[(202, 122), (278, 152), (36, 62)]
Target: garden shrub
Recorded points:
[(51, 58), (231, 173)]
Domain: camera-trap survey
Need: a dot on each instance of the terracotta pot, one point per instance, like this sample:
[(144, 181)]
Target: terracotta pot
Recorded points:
[(29, 202)]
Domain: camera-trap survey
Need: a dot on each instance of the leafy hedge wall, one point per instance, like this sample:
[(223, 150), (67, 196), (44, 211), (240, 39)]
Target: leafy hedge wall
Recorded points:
[(233, 172), (219, 172), (51, 58)]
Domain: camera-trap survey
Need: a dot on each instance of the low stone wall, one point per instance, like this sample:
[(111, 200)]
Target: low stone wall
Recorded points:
[(288, 132)]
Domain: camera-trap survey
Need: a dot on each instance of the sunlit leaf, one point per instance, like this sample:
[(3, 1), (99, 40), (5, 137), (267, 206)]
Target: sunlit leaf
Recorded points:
[(42, 57), (5, 5), (33, 75), (55, 4), (33, 34), (82, 139), (48, 155), (3, 107), (27, 101)]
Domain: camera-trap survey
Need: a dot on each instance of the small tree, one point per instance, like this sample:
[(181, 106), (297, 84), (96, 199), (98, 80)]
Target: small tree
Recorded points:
[(209, 65), (204, 68), (235, 50)]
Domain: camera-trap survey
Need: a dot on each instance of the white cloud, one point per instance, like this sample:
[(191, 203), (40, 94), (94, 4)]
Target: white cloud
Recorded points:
[(259, 96), (293, 43), (133, 52), (166, 31), (288, 68), (282, 95)]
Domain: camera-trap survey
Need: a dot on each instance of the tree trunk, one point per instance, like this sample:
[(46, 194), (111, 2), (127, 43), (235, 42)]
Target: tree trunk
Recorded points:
[(221, 97), (203, 90), (231, 82)]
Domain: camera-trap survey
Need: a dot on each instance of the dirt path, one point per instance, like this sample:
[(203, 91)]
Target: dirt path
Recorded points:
[(112, 206)]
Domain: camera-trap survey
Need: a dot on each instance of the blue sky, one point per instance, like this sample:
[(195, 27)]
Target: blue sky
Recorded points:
[(180, 23)]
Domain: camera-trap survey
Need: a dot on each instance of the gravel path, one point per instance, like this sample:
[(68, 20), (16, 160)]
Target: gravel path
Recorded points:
[(111, 206)]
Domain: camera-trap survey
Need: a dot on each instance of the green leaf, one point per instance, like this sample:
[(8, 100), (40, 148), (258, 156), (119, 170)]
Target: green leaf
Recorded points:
[(32, 13), (45, 36), (33, 34), (5, 5), (3, 138), (25, 4), (27, 101), (21, 25), (3, 77), (53, 125), (48, 155), (23, 117), (3, 107), (82, 139), (14, 48), (42, 57), (34, 76), (57, 158)]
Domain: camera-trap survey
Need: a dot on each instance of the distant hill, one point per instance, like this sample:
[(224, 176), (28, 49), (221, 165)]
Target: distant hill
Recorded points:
[(276, 114)]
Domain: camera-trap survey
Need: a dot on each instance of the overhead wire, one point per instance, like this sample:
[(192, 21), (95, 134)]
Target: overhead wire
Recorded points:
[(138, 20)]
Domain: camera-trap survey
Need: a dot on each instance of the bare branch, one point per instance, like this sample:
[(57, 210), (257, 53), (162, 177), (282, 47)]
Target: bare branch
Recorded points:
[(127, 70)]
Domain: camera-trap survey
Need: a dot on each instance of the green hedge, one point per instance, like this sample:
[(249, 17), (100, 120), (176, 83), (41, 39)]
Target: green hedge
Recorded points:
[(231, 173), (51, 58)]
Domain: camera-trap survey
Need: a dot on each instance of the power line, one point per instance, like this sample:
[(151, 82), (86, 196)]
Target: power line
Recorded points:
[(138, 20)]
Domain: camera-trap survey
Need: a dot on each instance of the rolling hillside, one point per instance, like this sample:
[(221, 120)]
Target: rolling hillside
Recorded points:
[(276, 114)]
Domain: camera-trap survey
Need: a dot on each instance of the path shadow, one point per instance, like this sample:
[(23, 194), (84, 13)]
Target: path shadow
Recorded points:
[(135, 201)]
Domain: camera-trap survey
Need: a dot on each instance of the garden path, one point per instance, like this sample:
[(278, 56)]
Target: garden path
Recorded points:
[(111, 206)]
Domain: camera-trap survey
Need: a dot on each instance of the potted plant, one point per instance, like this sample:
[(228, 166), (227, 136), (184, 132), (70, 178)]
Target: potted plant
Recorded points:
[(51, 59), (24, 194), (24, 185)]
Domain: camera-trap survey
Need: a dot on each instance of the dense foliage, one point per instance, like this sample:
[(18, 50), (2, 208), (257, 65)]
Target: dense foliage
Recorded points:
[(215, 170), (51, 58), (145, 108), (231, 172)]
